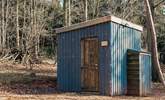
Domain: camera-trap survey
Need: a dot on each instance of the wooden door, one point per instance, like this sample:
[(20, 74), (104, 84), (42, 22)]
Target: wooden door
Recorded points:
[(89, 67)]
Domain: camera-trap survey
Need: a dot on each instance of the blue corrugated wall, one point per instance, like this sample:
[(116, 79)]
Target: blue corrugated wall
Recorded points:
[(69, 58), (112, 59), (122, 38), (145, 74)]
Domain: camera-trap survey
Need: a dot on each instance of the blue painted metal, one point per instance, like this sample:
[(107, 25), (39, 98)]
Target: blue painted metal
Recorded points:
[(69, 58), (145, 74), (122, 38), (112, 59)]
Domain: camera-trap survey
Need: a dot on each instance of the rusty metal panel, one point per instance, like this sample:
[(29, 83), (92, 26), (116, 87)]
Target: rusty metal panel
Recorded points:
[(122, 38)]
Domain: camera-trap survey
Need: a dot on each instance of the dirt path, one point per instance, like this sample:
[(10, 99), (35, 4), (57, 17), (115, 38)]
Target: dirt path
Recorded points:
[(73, 96), (17, 84)]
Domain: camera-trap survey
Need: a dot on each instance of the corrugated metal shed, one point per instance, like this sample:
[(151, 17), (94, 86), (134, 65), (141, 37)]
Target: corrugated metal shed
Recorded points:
[(119, 34)]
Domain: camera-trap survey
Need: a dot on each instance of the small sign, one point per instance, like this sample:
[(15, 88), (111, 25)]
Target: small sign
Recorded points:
[(104, 43)]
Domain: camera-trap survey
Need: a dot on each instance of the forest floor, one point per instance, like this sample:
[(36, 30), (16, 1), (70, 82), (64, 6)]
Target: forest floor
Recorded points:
[(17, 84)]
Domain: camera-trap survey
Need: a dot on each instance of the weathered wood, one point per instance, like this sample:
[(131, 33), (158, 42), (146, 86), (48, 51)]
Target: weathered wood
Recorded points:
[(133, 77), (89, 69)]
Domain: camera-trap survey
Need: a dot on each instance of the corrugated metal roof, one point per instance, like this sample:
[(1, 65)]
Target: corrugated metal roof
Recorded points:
[(98, 21)]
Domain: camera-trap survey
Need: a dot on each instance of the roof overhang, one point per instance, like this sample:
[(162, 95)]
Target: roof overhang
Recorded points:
[(98, 21)]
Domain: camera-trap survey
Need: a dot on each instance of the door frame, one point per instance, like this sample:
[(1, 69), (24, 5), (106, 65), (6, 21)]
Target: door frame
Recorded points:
[(82, 61)]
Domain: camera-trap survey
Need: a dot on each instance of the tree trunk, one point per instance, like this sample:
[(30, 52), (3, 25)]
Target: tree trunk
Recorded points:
[(149, 42), (1, 27), (18, 38), (148, 27), (97, 8), (35, 28), (154, 50), (69, 12), (24, 26), (66, 11), (86, 10), (3, 23), (6, 24)]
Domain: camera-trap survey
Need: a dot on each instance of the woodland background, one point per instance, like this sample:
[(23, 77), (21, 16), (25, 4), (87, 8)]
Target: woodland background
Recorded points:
[(28, 39), (27, 27)]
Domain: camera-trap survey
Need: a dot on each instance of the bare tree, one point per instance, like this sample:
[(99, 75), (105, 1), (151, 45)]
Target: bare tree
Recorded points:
[(66, 11), (86, 9), (154, 42), (69, 12), (3, 23), (17, 14)]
